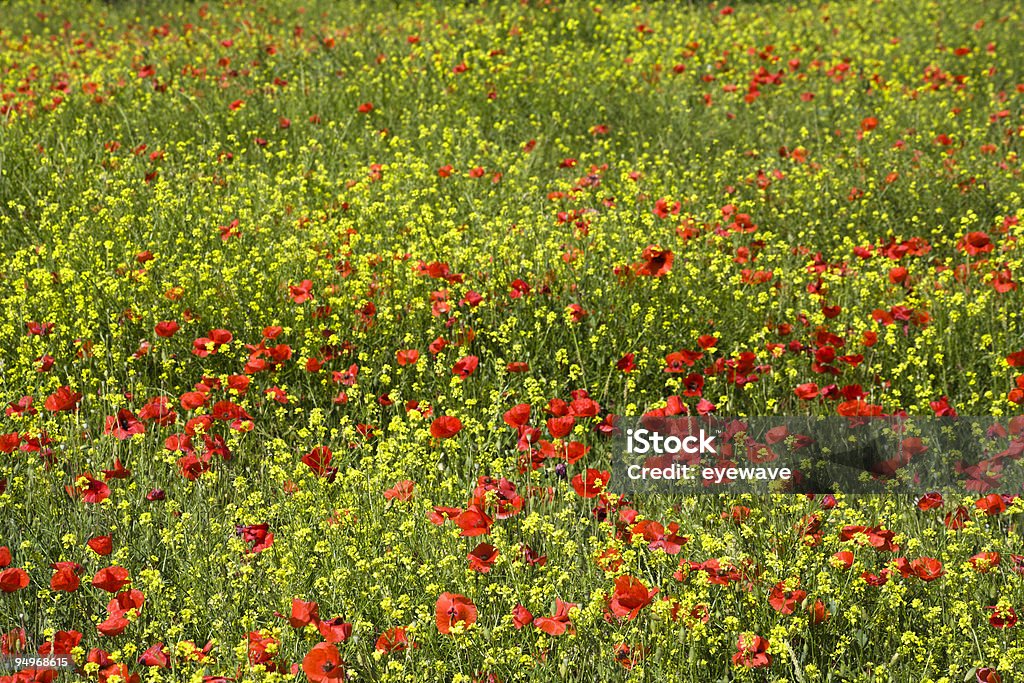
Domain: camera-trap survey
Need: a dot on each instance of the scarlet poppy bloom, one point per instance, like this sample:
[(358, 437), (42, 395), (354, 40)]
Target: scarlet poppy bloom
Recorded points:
[(783, 600), (111, 579), (629, 597), (92, 490), (113, 625), (987, 675), (65, 578), (985, 562), (561, 426), (752, 652), (474, 521), (592, 484), (392, 640), (334, 630), (679, 361), (926, 568), (13, 579), (101, 545), (626, 363), (400, 491), (158, 410), (5, 556), (302, 292), (482, 557), (1002, 618), (844, 559), (304, 613), (259, 650), (517, 366), (63, 643), (166, 328), (558, 623), (64, 399), (521, 617), (930, 501), (157, 655), (452, 609), (258, 535), (126, 602), (992, 504), (466, 366), (445, 427), (657, 262), (407, 357), (818, 613), (518, 415), (319, 460), (123, 425), (323, 664), (974, 243)]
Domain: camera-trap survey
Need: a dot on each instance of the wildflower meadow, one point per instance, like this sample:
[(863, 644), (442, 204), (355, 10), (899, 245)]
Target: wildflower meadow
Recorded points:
[(320, 322)]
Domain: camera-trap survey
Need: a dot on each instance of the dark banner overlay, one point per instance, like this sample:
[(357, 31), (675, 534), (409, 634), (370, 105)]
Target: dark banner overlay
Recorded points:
[(806, 454)]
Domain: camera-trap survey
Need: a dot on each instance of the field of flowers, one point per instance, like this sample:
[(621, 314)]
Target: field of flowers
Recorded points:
[(317, 319)]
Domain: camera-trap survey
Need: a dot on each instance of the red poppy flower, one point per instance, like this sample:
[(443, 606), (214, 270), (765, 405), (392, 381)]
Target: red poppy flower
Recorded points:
[(521, 617), (466, 366), (302, 292), (452, 609), (752, 652), (657, 262), (987, 675), (166, 328), (401, 491), (926, 568), (783, 600), (392, 640), (974, 243), (111, 579), (334, 630), (1002, 618), (518, 415), (474, 521), (93, 490), (591, 484), (65, 578), (13, 579), (304, 613), (5, 556), (482, 557), (319, 460), (114, 625), (806, 392), (561, 426), (158, 656), (930, 501), (992, 504), (323, 664), (629, 597), (407, 357), (123, 425), (62, 400), (818, 613), (101, 545), (985, 562), (558, 623), (445, 427), (679, 361), (844, 558)]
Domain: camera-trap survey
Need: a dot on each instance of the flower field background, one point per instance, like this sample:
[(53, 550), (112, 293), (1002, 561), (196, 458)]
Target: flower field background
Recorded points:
[(317, 318)]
